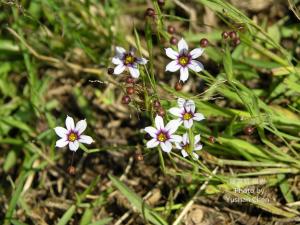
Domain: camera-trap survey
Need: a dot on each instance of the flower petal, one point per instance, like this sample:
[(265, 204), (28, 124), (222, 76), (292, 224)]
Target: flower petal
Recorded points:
[(195, 155), (198, 147), (142, 61), (181, 102), (178, 145), (175, 111), (184, 153), (197, 139), (166, 146), (61, 143), (86, 139), (185, 139), (61, 131), (73, 146), (116, 61), (120, 51), (189, 106), (182, 45), (195, 53), (184, 74), (159, 123), (152, 143), (135, 73), (172, 126), (171, 53), (152, 131), (119, 69), (80, 126), (188, 123), (70, 123), (173, 66), (175, 138), (198, 117), (196, 66)]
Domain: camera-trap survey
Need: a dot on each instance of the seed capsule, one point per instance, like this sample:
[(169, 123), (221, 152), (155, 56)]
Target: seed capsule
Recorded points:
[(236, 41), (126, 100), (150, 12), (171, 29), (161, 112), (130, 90), (178, 86), (173, 40), (225, 35), (212, 139), (204, 42), (110, 70), (249, 130), (129, 80), (156, 104), (138, 156), (232, 34), (161, 2), (71, 170)]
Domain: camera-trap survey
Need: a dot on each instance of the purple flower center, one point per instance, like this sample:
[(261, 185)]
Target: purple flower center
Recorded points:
[(128, 59), (73, 136), (184, 59), (162, 136)]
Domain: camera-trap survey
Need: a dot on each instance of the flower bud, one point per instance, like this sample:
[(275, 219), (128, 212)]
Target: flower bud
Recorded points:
[(126, 100), (173, 40), (150, 12), (178, 86), (71, 170), (130, 90), (204, 42), (110, 70), (225, 35), (171, 29)]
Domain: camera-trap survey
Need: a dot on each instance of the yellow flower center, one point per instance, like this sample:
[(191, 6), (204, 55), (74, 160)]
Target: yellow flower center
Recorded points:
[(162, 137), (129, 59), (187, 148), (72, 137), (183, 60), (187, 116)]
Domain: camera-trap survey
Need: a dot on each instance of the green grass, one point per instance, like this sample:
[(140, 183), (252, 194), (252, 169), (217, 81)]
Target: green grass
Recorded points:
[(50, 52)]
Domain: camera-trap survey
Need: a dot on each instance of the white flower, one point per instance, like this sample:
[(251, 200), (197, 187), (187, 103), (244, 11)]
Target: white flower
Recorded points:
[(163, 135), (184, 60), (186, 112), (125, 60), (72, 135), (185, 147)]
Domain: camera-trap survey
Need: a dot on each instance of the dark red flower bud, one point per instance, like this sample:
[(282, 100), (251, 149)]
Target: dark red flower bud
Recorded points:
[(171, 29), (225, 35), (161, 112), (173, 40), (249, 130), (236, 41), (156, 104), (161, 2), (232, 34), (178, 86), (126, 100), (150, 12), (110, 70), (71, 170), (204, 42), (130, 90), (129, 80), (138, 156), (212, 139)]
